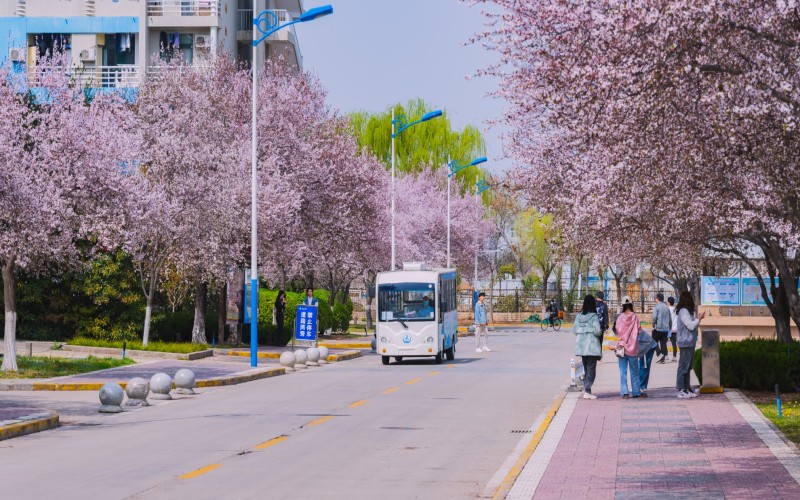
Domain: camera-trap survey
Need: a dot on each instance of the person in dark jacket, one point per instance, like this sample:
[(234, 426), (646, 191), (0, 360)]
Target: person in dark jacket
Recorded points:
[(602, 312), (280, 308)]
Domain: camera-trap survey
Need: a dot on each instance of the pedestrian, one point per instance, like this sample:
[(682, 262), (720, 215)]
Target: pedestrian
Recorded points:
[(481, 325), (602, 313), (310, 300), (280, 307), (673, 334), (645, 362), (688, 321), (552, 311), (661, 325), (628, 326), (588, 344)]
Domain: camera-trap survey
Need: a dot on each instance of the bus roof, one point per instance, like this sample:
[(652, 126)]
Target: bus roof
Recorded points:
[(401, 276)]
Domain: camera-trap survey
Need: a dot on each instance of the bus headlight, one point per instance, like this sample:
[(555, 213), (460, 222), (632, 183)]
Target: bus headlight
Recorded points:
[(429, 340), (383, 340)]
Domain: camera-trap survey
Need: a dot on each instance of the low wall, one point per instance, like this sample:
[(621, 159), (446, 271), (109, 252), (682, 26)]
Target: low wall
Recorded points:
[(741, 327)]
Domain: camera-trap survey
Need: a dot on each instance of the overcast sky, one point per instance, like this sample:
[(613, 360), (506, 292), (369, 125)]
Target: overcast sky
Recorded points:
[(372, 53)]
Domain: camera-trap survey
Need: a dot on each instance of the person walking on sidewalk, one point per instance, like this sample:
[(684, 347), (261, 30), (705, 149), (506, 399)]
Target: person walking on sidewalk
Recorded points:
[(661, 325), (645, 362), (673, 334), (688, 321), (481, 325), (602, 313), (588, 344), (628, 326)]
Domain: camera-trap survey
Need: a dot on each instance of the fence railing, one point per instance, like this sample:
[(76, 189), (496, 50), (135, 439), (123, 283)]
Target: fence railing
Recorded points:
[(123, 75), (157, 8), (245, 20)]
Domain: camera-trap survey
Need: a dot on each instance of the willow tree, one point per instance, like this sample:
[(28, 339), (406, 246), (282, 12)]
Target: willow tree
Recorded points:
[(429, 143)]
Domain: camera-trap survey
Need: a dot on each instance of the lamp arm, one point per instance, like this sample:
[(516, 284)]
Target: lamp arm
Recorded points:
[(273, 30)]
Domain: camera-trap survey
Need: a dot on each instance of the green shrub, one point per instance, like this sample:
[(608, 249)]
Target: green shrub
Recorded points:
[(135, 345), (337, 319), (342, 314), (756, 364)]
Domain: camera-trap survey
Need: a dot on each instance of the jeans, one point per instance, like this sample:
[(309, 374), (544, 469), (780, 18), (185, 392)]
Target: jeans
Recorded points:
[(481, 334), (625, 364), (590, 367), (685, 369), (644, 368), (661, 342)]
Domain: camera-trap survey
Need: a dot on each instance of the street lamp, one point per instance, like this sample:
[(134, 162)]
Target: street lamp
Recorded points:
[(400, 124), (454, 169), (263, 26), (480, 187)]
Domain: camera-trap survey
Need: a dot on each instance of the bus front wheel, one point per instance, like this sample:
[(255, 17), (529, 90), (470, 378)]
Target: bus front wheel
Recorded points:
[(450, 352), (439, 357), (385, 360)]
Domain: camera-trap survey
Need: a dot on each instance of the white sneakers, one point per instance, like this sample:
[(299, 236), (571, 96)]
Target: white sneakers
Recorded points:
[(687, 394), (589, 395), (486, 349), (478, 350)]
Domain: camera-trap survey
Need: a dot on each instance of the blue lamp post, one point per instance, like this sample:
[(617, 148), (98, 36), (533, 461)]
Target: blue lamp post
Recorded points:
[(480, 187), (400, 124), (454, 169), (264, 25)]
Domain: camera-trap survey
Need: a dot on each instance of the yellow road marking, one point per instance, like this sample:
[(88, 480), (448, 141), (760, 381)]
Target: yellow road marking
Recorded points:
[(319, 421), (435, 373), (271, 442), (200, 472), (413, 381), (391, 390), (451, 366), (358, 403), (516, 469)]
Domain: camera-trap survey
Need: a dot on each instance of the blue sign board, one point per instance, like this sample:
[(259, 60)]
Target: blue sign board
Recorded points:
[(248, 291), (305, 326), (716, 291), (751, 292)]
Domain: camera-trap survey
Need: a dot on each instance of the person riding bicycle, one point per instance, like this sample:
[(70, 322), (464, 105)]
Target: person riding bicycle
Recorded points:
[(552, 311)]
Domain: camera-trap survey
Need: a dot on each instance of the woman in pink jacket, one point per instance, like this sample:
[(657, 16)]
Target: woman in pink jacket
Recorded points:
[(627, 326)]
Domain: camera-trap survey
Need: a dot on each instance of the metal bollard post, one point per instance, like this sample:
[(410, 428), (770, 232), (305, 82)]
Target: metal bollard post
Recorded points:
[(124, 348), (30, 349), (778, 400), (572, 382)]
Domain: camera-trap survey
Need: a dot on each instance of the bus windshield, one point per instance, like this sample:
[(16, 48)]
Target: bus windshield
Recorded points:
[(406, 302)]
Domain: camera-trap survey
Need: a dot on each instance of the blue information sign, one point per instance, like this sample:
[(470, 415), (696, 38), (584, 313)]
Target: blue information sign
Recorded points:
[(305, 326), (719, 291)]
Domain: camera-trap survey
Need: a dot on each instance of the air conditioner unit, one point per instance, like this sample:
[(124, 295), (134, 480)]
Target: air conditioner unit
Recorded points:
[(16, 54), (88, 55), (201, 42)]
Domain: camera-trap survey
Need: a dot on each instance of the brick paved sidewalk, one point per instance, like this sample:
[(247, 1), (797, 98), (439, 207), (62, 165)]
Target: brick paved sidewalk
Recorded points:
[(659, 447)]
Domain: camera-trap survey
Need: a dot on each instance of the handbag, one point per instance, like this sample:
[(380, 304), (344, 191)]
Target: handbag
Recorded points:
[(619, 351)]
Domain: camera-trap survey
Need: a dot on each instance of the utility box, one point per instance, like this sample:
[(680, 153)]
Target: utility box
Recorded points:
[(709, 352)]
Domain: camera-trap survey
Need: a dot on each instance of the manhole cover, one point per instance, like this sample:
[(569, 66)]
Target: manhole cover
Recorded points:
[(402, 428), (517, 431)]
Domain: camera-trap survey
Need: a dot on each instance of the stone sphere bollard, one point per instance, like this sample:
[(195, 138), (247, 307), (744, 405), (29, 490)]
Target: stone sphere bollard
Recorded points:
[(323, 355), (111, 396), (301, 359), (160, 385), (137, 391), (313, 356), (184, 381), (288, 360)]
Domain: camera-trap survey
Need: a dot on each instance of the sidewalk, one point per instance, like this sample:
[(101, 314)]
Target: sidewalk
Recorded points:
[(712, 446)]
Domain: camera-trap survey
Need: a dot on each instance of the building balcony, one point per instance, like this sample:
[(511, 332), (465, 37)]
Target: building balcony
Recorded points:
[(121, 76), (183, 13), (244, 31)]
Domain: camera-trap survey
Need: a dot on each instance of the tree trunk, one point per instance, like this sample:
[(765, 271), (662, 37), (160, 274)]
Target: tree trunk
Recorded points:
[(148, 311), (222, 307), (780, 313), (10, 332), (199, 327)]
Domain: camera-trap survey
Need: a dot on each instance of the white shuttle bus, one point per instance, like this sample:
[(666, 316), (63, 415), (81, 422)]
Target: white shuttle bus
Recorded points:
[(417, 314)]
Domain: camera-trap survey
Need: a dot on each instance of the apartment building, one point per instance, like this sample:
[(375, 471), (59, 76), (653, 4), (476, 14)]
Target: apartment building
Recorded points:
[(112, 43)]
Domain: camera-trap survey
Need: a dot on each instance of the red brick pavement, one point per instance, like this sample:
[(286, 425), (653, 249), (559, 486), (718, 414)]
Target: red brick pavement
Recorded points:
[(670, 448)]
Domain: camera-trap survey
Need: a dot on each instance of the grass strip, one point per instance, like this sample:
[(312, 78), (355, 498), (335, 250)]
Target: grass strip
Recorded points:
[(177, 347), (44, 367)]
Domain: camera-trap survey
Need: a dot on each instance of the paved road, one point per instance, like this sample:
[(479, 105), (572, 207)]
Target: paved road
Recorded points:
[(355, 429)]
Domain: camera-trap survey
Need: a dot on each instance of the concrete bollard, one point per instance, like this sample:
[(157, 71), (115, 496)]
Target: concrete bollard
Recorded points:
[(160, 385), (111, 396), (313, 356), (323, 355), (288, 360), (300, 359), (185, 381), (137, 391)]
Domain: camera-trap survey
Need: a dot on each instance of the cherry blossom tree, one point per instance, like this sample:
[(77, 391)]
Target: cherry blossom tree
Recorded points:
[(61, 151)]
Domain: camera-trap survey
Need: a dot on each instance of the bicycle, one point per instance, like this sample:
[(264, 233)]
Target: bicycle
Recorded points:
[(546, 324)]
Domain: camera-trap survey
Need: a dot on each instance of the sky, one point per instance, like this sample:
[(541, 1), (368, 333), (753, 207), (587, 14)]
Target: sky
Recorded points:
[(372, 53)]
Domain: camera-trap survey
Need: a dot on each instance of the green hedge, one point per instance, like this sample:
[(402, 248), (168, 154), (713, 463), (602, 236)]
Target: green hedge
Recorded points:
[(756, 364), (336, 319)]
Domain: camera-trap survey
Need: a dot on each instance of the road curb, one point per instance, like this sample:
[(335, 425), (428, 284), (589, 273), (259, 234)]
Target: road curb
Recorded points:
[(246, 354), (29, 424), (248, 376), (519, 464), (191, 356), (344, 356), (346, 345)]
